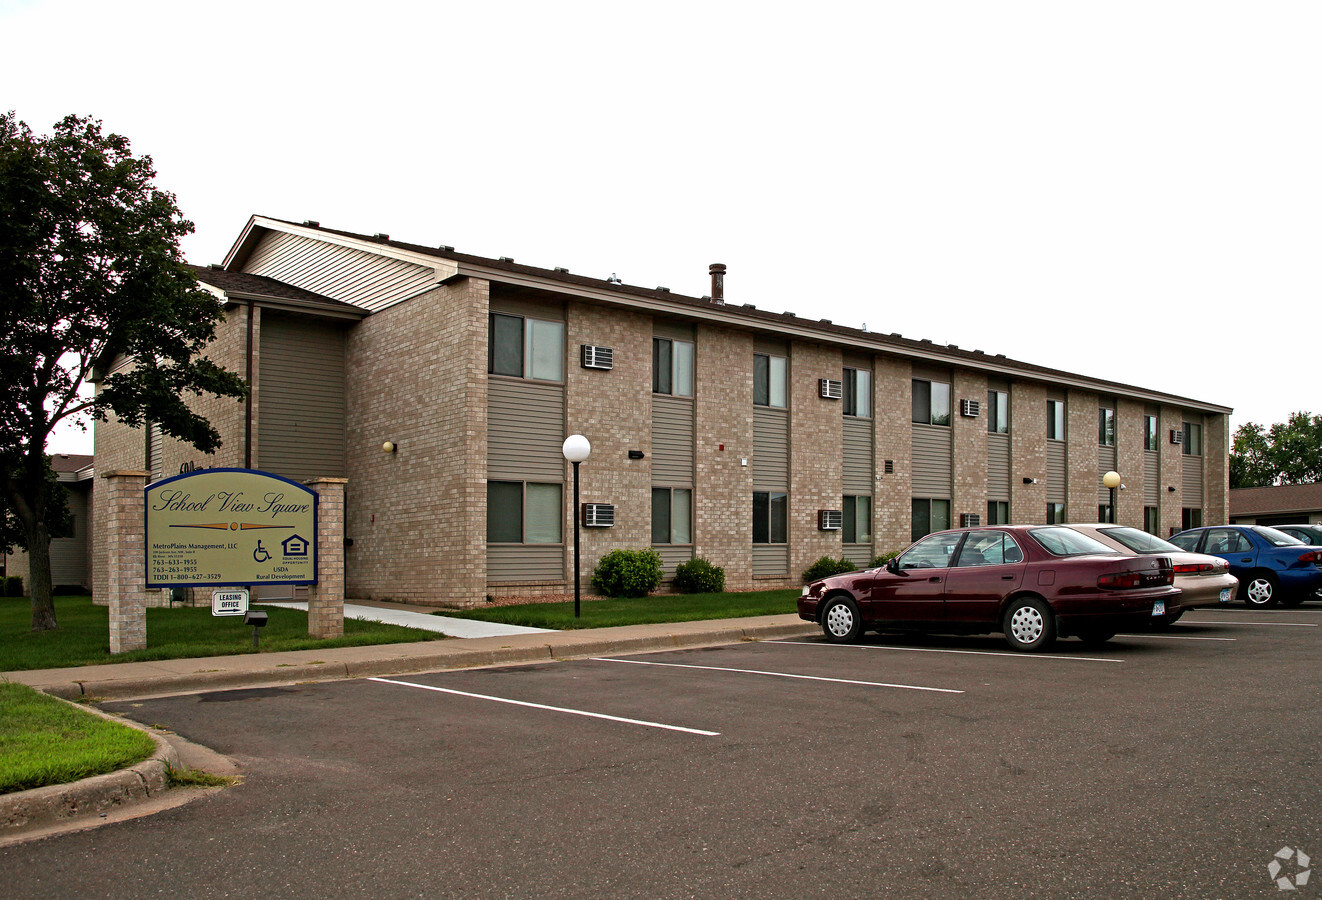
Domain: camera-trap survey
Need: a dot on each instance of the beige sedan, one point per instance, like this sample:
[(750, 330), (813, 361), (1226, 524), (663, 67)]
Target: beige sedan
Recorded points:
[(1203, 580)]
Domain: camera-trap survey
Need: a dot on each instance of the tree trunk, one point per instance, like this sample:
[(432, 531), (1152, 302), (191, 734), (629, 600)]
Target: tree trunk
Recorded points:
[(30, 500), (39, 578)]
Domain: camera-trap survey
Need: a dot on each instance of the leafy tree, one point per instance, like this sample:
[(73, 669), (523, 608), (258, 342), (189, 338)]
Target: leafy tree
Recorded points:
[(1289, 452), (1250, 458), (90, 268)]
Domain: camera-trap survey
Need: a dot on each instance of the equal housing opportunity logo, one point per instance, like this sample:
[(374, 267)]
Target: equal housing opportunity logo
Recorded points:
[(1289, 869)]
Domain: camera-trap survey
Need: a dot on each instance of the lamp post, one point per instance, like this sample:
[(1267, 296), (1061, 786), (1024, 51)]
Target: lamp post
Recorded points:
[(576, 449), (1112, 480)]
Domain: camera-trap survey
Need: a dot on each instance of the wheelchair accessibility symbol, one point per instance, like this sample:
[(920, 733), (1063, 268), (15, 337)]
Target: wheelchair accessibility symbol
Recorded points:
[(260, 553)]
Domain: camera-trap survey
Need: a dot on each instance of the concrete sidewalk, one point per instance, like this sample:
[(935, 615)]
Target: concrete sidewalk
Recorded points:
[(135, 680)]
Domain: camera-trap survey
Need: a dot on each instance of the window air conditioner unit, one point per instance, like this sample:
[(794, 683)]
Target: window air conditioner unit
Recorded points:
[(830, 519), (598, 357), (1177, 437), (970, 408), (969, 520), (598, 515), (831, 389)]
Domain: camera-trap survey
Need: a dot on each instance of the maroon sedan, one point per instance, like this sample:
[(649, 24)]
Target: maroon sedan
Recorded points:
[(1034, 583)]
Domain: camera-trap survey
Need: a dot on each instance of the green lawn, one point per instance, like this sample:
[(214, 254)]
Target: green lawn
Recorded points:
[(638, 611), (83, 638), (46, 741)]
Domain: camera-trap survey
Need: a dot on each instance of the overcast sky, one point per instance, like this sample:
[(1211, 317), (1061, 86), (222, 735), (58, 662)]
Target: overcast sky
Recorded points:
[(1128, 190)]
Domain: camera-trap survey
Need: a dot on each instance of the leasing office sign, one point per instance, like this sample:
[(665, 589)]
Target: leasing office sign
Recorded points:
[(230, 527)]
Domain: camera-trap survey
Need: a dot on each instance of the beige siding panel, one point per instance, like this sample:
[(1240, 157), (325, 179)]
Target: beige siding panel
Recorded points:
[(68, 556), (998, 467), (859, 470), (1105, 463), (525, 562), (771, 449), (1152, 487), (342, 273), (932, 449), (525, 431), (300, 428), (672, 556), (860, 555), (672, 441), (1191, 481), (1056, 471), (771, 559)]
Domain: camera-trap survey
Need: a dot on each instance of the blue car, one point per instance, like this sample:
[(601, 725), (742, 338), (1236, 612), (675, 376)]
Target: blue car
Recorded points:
[(1272, 567)]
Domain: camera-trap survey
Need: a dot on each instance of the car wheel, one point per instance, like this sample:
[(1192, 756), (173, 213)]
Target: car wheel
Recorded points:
[(1029, 624), (841, 622), (1260, 591), (1159, 622)]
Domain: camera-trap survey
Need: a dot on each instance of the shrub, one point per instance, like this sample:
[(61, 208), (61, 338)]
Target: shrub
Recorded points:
[(826, 567), (698, 576), (13, 585), (884, 558), (627, 573)]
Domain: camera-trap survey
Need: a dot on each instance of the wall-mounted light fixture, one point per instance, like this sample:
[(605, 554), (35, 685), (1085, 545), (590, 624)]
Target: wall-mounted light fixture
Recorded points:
[(635, 454), (1030, 481), (389, 447)]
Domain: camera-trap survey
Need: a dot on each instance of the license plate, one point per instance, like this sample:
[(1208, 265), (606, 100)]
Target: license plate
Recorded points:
[(1225, 595), (1159, 607)]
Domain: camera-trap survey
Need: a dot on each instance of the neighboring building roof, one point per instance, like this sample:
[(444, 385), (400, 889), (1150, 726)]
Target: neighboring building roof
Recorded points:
[(269, 292), (71, 466), (1283, 499), (662, 300)]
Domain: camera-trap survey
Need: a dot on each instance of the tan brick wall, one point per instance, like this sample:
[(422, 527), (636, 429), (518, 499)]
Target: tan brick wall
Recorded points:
[(970, 448), (613, 410), (416, 375), (1216, 475), (1028, 453), (326, 597), (1129, 455), (816, 461), (893, 408), (723, 488), (1172, 467), (1081, 490)]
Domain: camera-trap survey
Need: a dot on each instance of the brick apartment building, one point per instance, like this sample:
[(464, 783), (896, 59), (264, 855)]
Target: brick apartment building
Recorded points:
[(758, 440)]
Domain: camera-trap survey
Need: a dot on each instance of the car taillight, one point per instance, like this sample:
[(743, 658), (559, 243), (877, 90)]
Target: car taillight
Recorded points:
[(1312, 556), (1194, 568), (1122, 581)]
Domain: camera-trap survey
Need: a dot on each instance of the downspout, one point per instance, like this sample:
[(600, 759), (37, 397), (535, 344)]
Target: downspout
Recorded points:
[(247, 411)]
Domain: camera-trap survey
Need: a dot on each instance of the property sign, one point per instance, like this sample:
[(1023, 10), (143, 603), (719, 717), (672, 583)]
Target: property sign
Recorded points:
[(230, 527), (229, 602)]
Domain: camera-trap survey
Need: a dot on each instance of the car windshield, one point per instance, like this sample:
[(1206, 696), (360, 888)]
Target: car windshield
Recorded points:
[(1274, 537), (1068, 542), (1139, 541)]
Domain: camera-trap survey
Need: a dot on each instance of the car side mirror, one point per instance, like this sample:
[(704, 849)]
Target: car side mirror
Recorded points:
[(893, 565)]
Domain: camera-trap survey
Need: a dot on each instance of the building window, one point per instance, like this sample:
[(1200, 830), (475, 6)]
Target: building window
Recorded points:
[(769, 380), (525, 348), (998, 512), (672, 367), (927, 516), (1105, 514), (672, 515), (1150, 521), (1055, 513), (858, 393), (1193, 440), (770, 517), (857, 527), (1150, 441), (523, 513), (1191, 517), (1106, 427), (1056, 420), (931, 402), (998, 412)]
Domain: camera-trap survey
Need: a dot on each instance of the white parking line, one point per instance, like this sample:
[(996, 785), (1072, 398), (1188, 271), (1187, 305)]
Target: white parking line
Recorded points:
[(907, 687), (937, 650), (560, 709), (1285, 624), (1176, 637)]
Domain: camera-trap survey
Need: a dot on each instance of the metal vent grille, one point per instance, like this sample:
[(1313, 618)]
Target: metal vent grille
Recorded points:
[(1177, 437), (598, 357), (970, 408), (830, 519), (598, 515), (831, 389), (969, 520)]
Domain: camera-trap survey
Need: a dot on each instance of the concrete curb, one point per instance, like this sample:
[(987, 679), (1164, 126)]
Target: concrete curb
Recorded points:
[(40, 808)]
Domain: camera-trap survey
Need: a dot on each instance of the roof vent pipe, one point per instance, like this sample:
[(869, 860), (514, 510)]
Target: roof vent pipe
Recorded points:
[(717, 282)]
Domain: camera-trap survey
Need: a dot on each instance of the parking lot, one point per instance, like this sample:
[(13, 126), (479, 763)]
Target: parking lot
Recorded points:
[(1170, 764)]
